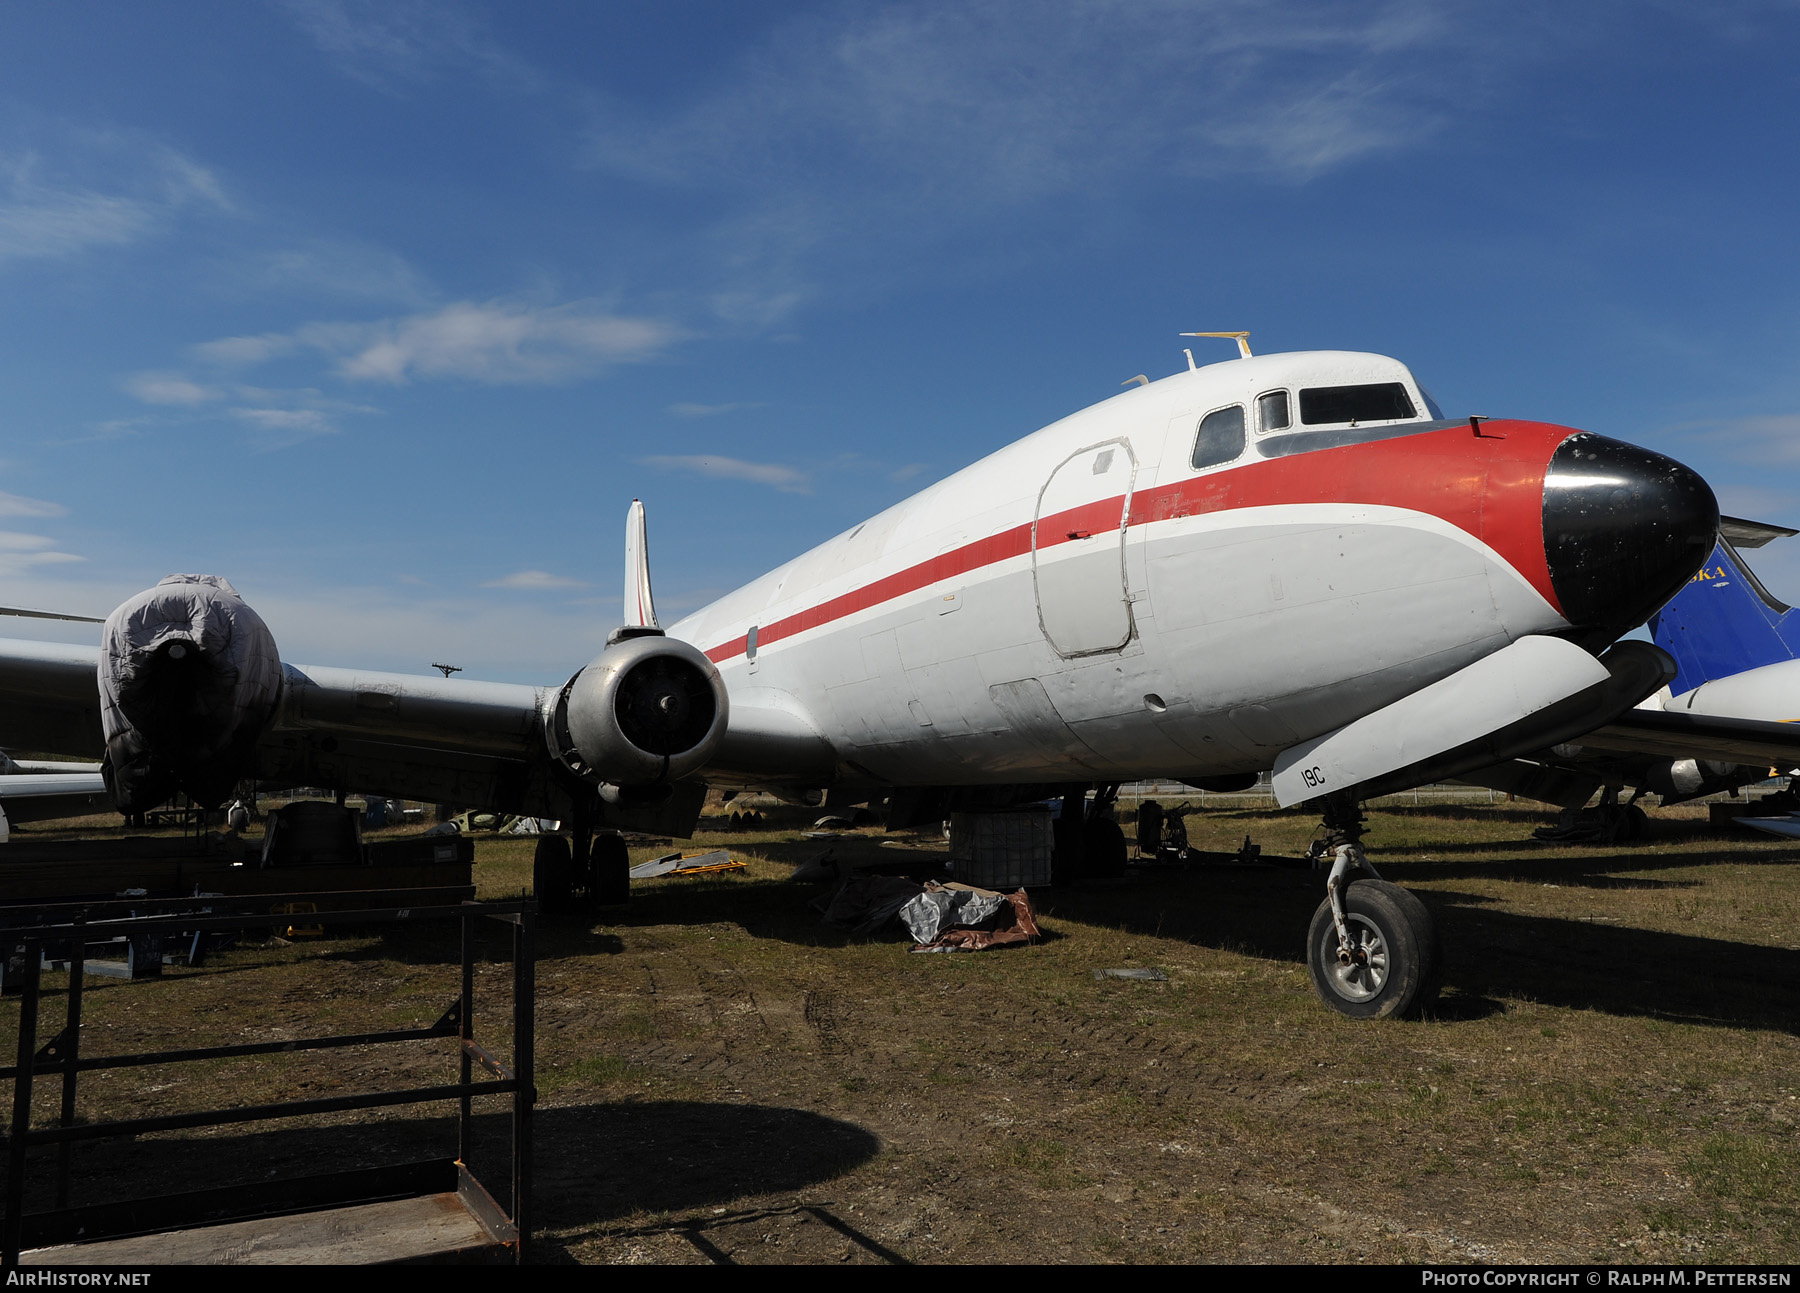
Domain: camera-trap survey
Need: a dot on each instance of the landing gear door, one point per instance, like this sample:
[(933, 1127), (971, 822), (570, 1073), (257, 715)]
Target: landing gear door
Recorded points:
[(1078, 550)]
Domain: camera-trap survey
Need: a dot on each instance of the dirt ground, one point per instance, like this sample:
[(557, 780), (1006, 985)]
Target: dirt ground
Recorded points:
[(1610, 1076)]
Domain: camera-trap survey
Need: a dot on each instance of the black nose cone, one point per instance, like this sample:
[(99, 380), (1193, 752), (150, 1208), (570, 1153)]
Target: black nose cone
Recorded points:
[(1624, 529)]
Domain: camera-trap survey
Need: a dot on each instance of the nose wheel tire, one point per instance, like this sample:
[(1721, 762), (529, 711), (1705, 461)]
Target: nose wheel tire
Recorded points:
[(1392, 964)]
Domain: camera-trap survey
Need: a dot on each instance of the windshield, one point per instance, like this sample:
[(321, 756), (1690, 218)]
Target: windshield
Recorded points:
[(1373, 402)]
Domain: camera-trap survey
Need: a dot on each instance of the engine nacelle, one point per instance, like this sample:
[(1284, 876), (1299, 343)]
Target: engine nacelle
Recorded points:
[(189, 678), (1675, 781), (648, 711)]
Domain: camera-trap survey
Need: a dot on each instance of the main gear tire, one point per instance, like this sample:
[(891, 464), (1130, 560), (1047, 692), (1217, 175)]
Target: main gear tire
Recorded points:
[(1393, 964), (609, 871), (553, 874)]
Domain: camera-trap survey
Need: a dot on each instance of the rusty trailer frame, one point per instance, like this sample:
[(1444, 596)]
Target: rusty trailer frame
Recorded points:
[(60, 1056)]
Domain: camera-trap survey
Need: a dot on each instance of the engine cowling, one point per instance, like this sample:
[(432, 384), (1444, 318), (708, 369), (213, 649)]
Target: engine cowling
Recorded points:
[(646, 712), (1676, 781), (189, 677)]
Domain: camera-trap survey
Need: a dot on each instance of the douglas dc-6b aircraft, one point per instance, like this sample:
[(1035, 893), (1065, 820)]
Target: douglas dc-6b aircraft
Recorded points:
[(1291, 562)]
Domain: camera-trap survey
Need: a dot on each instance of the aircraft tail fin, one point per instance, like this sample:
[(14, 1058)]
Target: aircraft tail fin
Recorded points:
[(1724, 622), (640, 607)]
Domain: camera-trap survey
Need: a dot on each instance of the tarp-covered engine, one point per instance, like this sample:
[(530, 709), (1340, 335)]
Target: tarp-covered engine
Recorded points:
[(189, 677)]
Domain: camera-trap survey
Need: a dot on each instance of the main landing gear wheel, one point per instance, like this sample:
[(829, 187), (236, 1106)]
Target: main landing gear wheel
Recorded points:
[(553, 873), (1391, 965), (609, 876)]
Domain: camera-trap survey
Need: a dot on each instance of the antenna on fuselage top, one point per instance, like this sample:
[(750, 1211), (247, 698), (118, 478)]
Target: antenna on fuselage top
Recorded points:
[(1242, 338)]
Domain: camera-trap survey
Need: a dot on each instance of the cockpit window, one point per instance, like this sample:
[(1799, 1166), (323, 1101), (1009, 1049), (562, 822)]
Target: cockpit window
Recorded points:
[(1436, 410), (1221, 437), (1375, 402), (1272, 412)]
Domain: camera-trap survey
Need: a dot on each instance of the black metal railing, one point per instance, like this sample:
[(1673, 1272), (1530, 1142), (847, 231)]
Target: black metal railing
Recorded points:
[(76, 925)]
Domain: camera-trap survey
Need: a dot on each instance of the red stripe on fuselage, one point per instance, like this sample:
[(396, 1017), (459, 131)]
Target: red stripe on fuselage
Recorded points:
[(1490, 486)]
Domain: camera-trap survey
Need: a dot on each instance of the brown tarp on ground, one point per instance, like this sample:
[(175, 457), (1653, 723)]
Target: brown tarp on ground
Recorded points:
[(1014, 923)]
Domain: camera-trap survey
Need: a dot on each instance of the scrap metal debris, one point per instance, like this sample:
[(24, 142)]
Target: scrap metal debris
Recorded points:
[(693, 864), (1145, 973)]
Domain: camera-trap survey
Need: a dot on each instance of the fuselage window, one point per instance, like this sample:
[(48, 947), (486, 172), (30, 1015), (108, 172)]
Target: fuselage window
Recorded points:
[(1221, 437), (1272, 412), (1375, 402)]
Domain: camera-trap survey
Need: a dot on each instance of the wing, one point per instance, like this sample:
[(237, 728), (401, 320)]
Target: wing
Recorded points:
[(1661, 734), (403, 735), (47, 796), (186, 693), (49, 698), (412, 737)]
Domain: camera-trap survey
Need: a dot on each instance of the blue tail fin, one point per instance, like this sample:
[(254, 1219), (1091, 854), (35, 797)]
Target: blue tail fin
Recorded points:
[(1723, 622)]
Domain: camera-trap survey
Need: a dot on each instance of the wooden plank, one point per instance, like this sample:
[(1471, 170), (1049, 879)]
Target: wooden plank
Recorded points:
[(432, 1227)]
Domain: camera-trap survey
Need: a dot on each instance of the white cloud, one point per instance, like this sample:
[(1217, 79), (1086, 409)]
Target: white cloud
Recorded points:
[(852, 137), (39, 222), (535, 580), (710, 410), (497, 342), (20, 552), (242, 352), (106, 189), (279, 428), (494, 342), (721, 468), (1771, 437), (276, 416), (13, 541), (169, 388), (388, 44), (1754, 502), (325, 268), (15, 505)]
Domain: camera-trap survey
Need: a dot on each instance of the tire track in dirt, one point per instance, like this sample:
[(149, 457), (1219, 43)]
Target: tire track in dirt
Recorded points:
[(713, 1023), (727, 1027), (821, 1013)]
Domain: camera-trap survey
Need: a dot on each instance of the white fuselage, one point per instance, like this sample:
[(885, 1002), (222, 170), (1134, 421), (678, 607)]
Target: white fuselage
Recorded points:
[(1087, 605)]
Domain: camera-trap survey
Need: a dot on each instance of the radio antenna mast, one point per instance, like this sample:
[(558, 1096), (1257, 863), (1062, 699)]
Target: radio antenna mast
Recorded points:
[(1242, 338)]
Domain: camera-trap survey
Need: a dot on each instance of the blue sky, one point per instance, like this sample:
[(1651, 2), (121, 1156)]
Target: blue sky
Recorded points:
[(386, 311)]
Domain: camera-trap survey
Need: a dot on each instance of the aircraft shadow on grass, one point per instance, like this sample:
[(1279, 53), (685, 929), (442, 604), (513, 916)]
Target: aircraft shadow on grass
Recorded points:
[(1491, 955)]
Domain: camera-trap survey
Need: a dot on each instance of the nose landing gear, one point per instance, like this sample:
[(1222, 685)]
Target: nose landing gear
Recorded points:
[(1372, 947)]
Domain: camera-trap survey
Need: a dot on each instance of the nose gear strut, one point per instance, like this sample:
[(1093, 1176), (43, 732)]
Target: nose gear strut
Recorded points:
[(1343, 842)]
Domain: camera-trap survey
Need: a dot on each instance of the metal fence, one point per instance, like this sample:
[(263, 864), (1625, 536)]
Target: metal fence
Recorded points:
[(77, 925), (1262, 796)]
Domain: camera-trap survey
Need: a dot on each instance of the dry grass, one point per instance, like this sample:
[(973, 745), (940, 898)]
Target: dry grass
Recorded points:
[(1610, 1076)]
